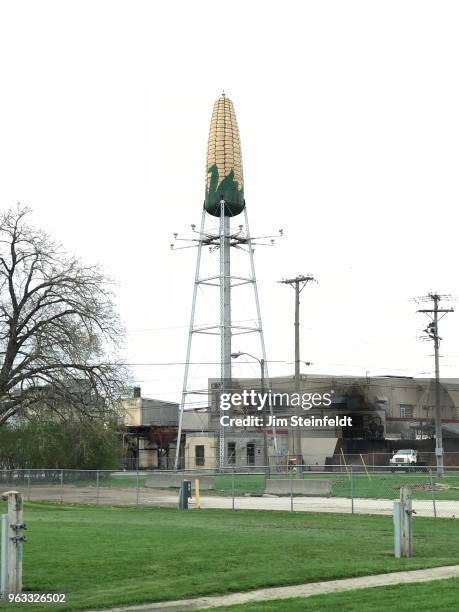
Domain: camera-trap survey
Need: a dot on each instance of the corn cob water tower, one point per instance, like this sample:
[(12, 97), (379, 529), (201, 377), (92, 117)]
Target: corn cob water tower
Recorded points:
[(224, 204)]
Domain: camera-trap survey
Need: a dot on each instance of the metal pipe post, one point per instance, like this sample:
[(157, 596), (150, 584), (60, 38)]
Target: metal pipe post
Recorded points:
[(265, 434), (15, 539), (397, 530), (259, 322), (225, 315), (188, 348), (432, 488), (351, 476), (4, 557), (406, 513)]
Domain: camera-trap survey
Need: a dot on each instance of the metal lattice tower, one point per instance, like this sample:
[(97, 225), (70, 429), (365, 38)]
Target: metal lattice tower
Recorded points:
[(224, 201)]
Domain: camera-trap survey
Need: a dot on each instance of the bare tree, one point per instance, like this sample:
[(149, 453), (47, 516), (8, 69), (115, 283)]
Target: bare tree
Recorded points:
[(59, 331)]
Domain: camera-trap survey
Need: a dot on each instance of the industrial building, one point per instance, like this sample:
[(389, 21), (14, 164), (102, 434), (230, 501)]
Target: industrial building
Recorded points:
[(388, 412), (149, 430)]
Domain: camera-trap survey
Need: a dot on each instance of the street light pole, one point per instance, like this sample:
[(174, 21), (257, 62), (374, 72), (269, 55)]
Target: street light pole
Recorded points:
[(262, 389), (265, 435)]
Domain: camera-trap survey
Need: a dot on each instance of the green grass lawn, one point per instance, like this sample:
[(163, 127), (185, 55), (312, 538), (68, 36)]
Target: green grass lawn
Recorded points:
[(436, 596), (377, 486), (105, 556)]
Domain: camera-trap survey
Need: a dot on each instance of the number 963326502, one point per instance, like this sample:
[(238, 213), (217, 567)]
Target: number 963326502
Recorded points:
[(32, 598)]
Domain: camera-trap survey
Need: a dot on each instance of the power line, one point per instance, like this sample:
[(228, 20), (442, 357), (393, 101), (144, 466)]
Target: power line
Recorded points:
[(169, 363)]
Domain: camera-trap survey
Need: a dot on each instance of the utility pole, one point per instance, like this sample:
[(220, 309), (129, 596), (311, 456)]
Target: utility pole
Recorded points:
[(432, 332), (298, 283)]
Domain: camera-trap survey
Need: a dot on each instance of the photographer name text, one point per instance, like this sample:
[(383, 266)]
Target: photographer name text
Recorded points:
[(291, 421)]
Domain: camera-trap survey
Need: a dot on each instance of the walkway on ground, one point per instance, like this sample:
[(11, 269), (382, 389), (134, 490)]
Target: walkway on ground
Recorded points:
[(301, 590)]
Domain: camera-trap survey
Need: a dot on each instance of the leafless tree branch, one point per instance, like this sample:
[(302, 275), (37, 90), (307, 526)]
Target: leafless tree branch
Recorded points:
[(59, 331)]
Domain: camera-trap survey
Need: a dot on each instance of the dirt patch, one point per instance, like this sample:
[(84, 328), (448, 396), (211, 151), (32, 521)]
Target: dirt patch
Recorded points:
[(438, 486)]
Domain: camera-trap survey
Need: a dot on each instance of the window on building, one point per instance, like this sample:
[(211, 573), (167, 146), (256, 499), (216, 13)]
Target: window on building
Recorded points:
[(406, 411), (250, 454), (199, 454), (232, 453)]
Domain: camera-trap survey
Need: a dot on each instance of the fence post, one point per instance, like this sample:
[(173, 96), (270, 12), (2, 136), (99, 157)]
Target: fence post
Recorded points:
[(14, 542), (97, 485), (137, 492), (405, 517), (232, 487), (397, 530), (4, 558), (351, 476), (432, 488), (291, 494), (28, 485), (62, 485)]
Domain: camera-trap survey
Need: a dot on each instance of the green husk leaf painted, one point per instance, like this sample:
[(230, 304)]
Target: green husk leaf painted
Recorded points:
[(228, 190)]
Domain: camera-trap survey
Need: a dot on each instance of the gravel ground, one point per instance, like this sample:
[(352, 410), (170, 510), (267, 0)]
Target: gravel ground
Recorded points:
[(169, 498)]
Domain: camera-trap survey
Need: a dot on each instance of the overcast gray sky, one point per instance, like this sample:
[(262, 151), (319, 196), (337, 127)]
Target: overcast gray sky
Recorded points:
[(349, 123)]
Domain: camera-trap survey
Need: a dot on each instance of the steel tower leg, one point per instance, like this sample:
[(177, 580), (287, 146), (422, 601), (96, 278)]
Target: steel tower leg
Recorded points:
[(225, 316), (260, 326), (188, 350)]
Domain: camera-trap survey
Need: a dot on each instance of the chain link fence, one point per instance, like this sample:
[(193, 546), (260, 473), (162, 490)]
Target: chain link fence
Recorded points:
[(350, 488), (374, 460)]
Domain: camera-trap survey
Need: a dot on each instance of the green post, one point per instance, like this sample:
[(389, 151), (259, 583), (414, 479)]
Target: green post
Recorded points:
[(185, 494)]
